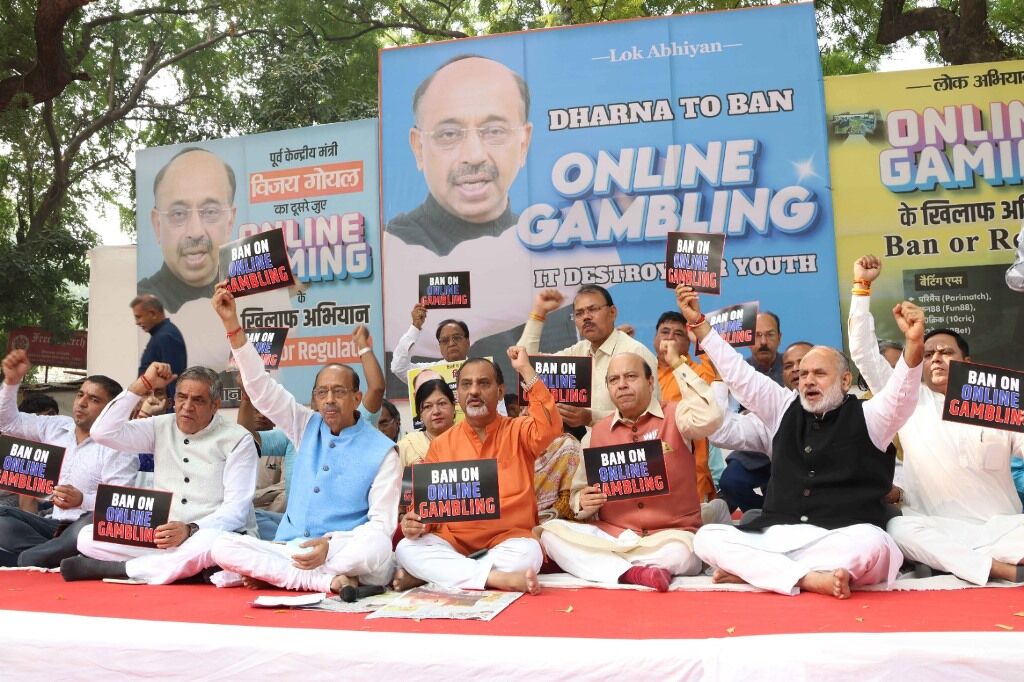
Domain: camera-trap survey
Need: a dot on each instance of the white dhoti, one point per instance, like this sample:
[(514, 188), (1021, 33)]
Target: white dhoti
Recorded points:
[(588, 552), (433, 559), (365, 557), (964, 548), (777, 558), (155, 566)]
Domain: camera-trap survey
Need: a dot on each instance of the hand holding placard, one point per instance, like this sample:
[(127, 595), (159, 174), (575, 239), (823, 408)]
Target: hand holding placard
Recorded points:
[(591, 500), (67, 497), (412, 527)]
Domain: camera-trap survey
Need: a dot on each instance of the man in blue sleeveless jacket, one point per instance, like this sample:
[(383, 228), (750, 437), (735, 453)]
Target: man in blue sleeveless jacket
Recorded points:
[(343, 496)]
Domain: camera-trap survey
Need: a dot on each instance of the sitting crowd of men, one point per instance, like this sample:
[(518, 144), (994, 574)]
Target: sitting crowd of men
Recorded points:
[(811, 466)]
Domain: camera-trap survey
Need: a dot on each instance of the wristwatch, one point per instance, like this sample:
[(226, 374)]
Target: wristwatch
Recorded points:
[(193, 528)]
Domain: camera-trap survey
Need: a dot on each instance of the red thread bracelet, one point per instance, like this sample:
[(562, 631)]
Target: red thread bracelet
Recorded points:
[(698, 323), (232, 333), (143, 379)]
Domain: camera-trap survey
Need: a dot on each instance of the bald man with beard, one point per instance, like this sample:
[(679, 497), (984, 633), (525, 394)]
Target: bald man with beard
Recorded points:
[(824, 511)]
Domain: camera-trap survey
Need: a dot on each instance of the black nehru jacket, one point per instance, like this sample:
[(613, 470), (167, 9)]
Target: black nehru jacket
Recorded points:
[(826, 471)]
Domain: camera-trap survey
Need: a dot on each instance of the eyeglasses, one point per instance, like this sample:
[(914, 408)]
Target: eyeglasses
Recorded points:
[(208, 215), (339, 392), (450, 137), (765, 335), (592, 310), (454, 338)]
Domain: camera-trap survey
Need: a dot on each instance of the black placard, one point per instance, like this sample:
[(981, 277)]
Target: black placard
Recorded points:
[(444, 492), (444, 290), (269, 343), (256, 263), (568, 377), (628, 470), (694, 259), (984, 395), (129, 516), (29, 468), (735, 323)]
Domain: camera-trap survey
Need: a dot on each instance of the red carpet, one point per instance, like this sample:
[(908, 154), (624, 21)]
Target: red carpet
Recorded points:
[(594, 613)]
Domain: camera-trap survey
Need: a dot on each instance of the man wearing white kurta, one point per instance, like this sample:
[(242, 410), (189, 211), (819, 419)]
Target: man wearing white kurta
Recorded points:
[(639, 541), (824, 509), (595, 315), (961, 511), (30, 540), (346, 480), (207, 462)]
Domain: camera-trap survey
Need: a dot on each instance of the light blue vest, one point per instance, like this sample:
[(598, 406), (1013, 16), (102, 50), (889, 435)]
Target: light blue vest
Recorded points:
[(331, 479)]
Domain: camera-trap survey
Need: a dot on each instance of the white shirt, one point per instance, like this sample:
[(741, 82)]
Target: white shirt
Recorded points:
[(951, 470), (115, 428), (884, 414), (601, 404), (280, 406), (86, 464)]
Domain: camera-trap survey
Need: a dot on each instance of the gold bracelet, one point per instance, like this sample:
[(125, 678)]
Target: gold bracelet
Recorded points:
[(860, 292), (536, 317)]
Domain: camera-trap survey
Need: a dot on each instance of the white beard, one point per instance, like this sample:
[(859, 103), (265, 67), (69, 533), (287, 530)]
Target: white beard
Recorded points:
[(481, 411), (832, 398)]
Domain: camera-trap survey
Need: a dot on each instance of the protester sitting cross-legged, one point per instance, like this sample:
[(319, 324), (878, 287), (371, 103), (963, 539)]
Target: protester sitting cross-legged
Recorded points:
[(343, 497), (30, 540), (511, 557), (206, 461), (832, 465), (639, 541)]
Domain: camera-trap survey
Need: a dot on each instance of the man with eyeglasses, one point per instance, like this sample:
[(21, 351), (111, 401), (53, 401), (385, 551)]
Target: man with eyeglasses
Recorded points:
[(207, 462), (452, 343), (594, 314), (193, 213), (166, 343), (961, 511), (470, 139), (343, 496)]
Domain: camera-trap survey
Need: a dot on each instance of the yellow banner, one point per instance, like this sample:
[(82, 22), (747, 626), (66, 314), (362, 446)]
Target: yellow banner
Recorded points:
[(927, 174)]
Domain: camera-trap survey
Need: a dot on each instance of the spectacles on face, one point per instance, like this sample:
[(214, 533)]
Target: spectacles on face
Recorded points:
[(592, 310), (449, 137), (339, 392), (448, 340), (208, 215), (766, 336)]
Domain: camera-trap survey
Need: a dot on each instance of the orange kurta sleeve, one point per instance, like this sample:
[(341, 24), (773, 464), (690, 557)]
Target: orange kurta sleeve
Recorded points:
[(515, 443)]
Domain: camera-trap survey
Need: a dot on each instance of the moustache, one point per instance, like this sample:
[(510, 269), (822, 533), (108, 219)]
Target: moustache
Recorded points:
[(190, 243), (484, 168), (762, 347)]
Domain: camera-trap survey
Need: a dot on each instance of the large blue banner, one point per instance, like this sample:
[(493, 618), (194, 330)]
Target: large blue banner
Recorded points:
[(563, 157), (320, 187)]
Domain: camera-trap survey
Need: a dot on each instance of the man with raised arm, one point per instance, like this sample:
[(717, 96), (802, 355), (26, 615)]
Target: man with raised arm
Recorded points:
[(821, 529), (345, 483), (509, 555), (452, 343), (206, 461), (27, 539), (595, 314), (639, 541), (961, 511)]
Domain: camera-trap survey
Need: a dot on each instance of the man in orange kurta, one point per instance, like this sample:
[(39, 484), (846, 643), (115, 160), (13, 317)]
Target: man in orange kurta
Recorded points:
[(671, 345), (440, 553), (642, 541)]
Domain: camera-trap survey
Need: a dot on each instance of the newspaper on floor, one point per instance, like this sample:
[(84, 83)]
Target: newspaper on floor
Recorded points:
[(431, 601), (368, 605)]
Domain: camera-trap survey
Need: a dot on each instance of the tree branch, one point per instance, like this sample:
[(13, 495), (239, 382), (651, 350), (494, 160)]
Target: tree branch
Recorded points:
[(50, 73)]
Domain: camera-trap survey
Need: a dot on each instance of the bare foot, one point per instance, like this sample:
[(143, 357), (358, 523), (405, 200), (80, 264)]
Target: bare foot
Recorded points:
[(256, 583), (340, 582), (523, 581), (1004, 571), (720, 576), (835, 583), (403, 581)]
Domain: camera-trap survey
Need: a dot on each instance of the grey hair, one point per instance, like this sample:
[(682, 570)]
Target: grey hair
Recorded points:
[(205, 375), (886, 344)]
